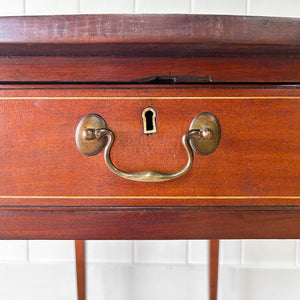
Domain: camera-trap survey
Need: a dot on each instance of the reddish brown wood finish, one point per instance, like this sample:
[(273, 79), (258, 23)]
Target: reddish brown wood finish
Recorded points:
[(150, 223), (213, 269), (124, 48), (31, 69), (148, 35), (255, 164), (248, 188), (80, 269), (48, 189)]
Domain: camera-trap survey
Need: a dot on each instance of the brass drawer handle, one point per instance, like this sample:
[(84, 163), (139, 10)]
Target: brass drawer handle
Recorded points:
[(203, 137)]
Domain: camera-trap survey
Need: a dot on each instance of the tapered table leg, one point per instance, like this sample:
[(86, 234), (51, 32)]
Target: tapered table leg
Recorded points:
[(80, 268), (213, 269)]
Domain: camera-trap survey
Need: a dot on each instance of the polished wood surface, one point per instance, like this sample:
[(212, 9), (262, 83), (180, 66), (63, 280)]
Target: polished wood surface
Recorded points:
[(80, 269), (150, 223), (213, 269), (148, 35), (31, 69), (57, 69), (126, 48), (255, 164)]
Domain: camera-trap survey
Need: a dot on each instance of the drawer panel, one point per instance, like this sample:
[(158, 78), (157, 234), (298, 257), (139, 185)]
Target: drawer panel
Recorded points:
[(256, 163)]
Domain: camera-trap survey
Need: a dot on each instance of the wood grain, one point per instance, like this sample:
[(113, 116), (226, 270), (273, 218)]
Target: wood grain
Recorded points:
[(256, 162), (213, 268), (150, 223), (248, 188), (31, 69), (80, 269), (148, 35)]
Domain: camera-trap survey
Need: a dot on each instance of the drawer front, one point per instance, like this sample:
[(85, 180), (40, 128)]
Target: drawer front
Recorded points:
[(257, 161)]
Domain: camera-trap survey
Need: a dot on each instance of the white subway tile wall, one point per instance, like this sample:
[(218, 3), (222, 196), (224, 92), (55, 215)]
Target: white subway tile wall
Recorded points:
[(163, 6), (13, 251), (298, 252), (107, 6), (250, 270), (51, 251), (51, 7), (230, 252), (267, 283), (287, 8), (109, 251), (172, 252), (146, 282), (280, 252), (197, 252), (38, 281), (219, 7), (12, 7)]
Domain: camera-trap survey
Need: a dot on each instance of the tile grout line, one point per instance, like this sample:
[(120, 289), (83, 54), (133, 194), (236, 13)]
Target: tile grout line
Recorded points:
[(134, 6), (192, 5), (134, 252), (27, 250), (297, 252), (242, 253), (187, 255), (248, 7), (79, 6), (24, 7)]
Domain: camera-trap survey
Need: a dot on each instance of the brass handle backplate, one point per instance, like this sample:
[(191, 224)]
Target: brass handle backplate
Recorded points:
[(203, 137)]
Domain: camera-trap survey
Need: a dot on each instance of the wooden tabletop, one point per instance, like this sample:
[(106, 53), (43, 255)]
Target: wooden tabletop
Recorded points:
[(149, 35)]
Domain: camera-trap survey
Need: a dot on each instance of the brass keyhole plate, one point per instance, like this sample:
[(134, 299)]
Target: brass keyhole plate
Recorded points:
[(149, 121), (206, 121)]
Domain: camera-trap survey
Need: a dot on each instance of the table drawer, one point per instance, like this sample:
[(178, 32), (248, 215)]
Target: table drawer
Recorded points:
[(256, 162)]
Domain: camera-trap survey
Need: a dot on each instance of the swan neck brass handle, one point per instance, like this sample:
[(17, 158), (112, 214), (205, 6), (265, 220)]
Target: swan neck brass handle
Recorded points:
[(92, 135), (148, 175)]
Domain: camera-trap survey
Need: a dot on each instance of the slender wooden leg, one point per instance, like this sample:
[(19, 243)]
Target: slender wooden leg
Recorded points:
[(80, 269), (213, 269)]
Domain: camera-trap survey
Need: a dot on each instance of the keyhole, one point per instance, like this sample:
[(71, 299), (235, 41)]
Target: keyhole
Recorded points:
[(149, 120)]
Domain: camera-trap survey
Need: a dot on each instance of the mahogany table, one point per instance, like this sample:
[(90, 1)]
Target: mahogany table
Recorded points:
[(209, 102)]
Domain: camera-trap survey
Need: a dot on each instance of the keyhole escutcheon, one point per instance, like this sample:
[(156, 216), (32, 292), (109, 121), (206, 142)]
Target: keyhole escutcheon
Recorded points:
[(149, 120)]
